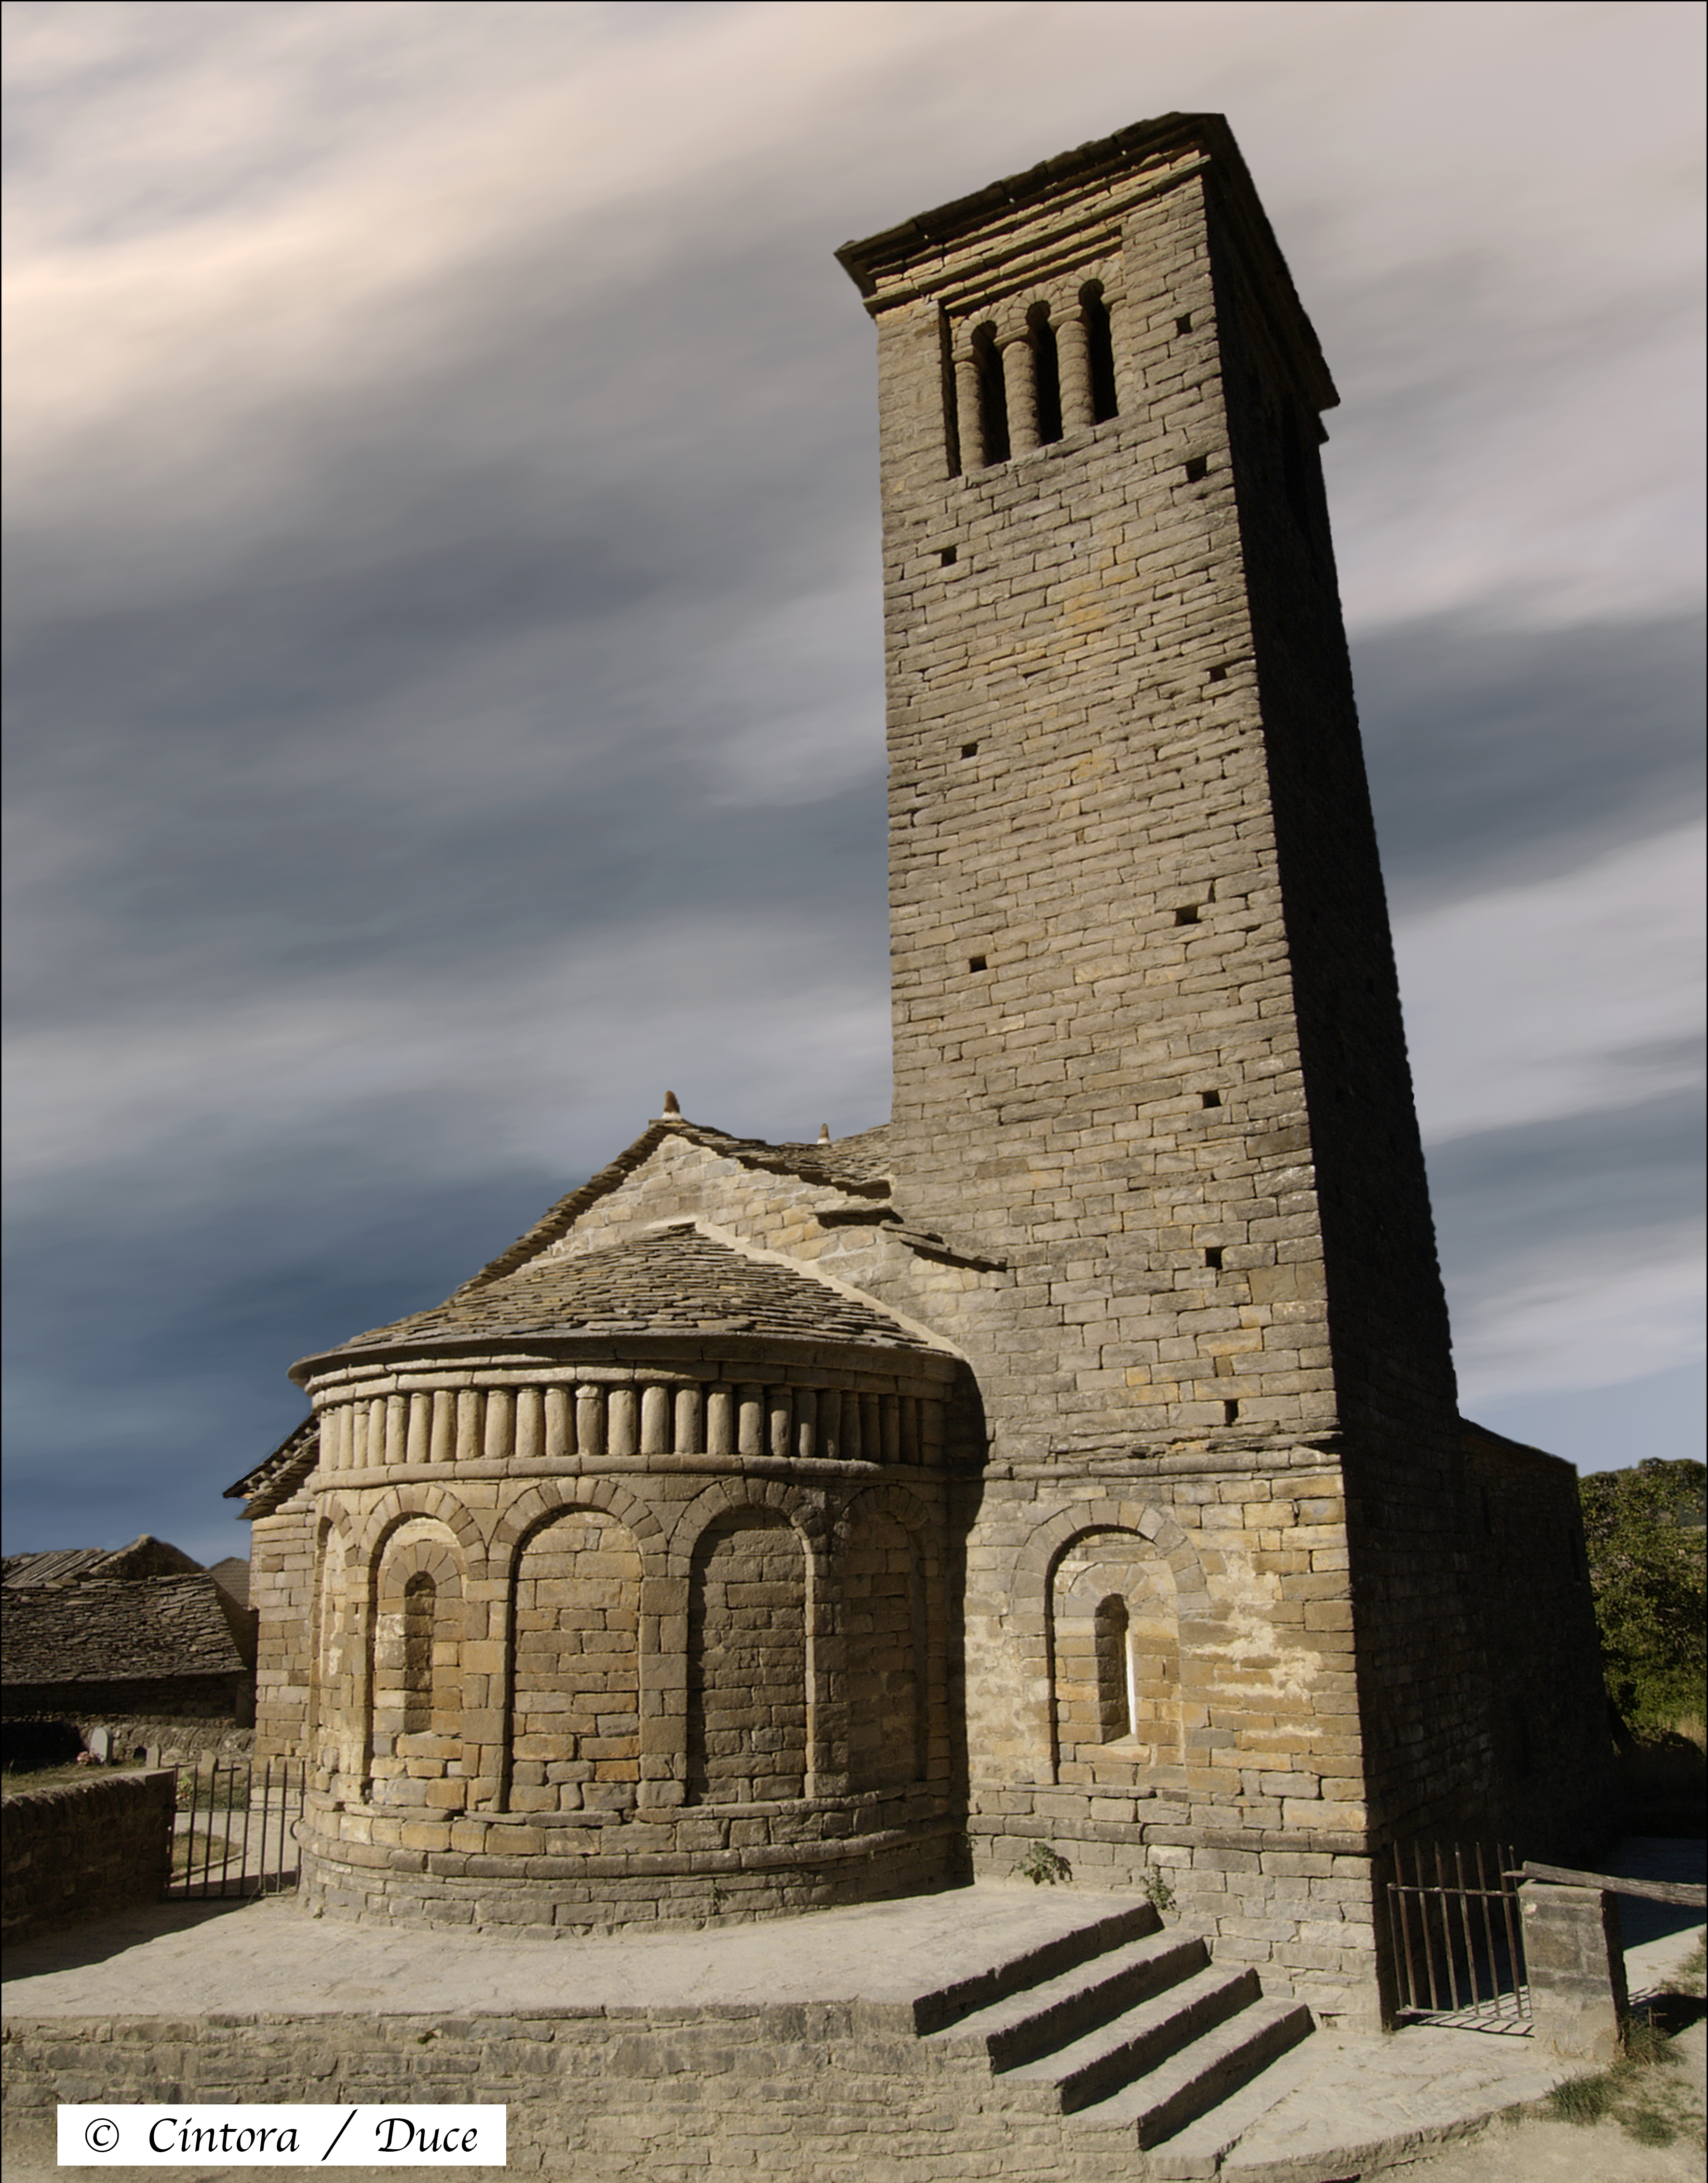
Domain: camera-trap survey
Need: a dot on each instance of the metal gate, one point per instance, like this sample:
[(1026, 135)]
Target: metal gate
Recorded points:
[(1458, 1937), (236, 1829)]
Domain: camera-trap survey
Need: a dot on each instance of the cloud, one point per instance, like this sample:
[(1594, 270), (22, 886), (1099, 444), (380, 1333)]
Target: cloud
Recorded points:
[(1571, 1248), (1565, 996), (1498, 754)]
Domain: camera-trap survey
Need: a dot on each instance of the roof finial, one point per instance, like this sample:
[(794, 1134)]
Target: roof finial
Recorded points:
[(673, 1111), (823, 1133)]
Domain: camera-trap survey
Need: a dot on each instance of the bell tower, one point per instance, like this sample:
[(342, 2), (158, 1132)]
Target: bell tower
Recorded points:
[(1147, 1027), (1223, 1570)]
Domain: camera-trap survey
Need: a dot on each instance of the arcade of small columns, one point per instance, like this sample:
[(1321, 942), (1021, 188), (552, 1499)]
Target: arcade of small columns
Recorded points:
[(1002, 359)]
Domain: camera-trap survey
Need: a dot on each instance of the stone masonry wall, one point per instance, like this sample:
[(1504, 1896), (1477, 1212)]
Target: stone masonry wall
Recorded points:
[(87, 1850), (672, 2096), (1248, 1802), (1555, 1762), (281, 1589), (1422, 1668)]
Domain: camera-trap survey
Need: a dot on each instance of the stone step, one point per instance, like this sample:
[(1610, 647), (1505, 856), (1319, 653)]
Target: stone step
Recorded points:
[(1182, 2097), (1196, 2153), (944, 2006), (1045, 2017), (1139, 2040)]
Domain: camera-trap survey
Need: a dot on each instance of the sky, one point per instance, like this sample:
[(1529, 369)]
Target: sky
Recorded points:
[(446, 697)]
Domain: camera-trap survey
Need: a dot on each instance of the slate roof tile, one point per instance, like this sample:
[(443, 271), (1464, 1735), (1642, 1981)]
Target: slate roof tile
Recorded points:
[(115, 1629), (678, 1282)]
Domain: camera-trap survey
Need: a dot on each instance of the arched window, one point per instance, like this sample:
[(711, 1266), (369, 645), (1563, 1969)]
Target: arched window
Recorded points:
[(993, 396), (1046, 365), (420, 1601), (1109, 1626), (1101, 348)]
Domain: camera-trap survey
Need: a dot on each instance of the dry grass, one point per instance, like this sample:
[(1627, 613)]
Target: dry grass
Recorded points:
[(1639, 2091)]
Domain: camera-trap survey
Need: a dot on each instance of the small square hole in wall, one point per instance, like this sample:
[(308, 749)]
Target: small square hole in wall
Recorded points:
[(1230, 1414), (975, 963), (969, 750), (1212, 1257), (1197, 468), (1219, 674), (946, 558), (1184, 324), (1187, 914), (1211, 1098)]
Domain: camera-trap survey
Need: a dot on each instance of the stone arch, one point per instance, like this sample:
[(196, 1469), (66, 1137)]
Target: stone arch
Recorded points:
[(549, 1497), (806, 1512), (575, 1660), (402, 1504), (1159, 1543), (416, 1586), (1114, 1634), (750, 1663)]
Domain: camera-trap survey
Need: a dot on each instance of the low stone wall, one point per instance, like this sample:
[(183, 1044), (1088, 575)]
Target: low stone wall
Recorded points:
[(85, 1850), (816, 2090), (764, 1861)]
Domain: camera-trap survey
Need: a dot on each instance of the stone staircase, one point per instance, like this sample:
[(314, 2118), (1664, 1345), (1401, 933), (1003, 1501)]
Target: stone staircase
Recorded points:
[(1117, 2023)]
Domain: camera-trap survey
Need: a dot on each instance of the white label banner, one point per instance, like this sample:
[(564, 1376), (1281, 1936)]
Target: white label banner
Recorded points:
[(112, 2134)]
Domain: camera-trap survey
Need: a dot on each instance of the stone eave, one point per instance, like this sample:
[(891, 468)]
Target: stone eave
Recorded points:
[(536, 1346), (888, 255)]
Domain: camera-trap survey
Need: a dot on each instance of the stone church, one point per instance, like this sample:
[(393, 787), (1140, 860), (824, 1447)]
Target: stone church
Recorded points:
[(1070, 1467)]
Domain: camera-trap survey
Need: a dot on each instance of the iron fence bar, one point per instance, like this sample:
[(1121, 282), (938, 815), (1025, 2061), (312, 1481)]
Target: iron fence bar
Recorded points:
[(1423, 1927), (1447, 1931), (1401, 1937), (1488, 1927), (248, 1809), (1464, 1927), (1515, 1938)]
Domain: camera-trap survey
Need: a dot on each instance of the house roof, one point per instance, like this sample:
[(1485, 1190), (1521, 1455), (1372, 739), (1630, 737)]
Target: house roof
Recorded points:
[(146, 1556), (105, 1629), (677, 1281)]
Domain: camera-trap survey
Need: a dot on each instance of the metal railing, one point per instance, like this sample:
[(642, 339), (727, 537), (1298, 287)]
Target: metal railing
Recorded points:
[(1458, 1937), (235, 1832)]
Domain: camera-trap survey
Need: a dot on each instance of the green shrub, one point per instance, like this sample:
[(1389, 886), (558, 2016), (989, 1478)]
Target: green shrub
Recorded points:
[(1642, 1529)]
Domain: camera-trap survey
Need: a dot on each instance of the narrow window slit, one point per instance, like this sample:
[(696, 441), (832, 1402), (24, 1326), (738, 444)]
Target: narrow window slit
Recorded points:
[(1099, 347), (1187, 914), (1212, 1257), (1047, 369), (1230, 1414), (1183, 323), (1219, 674), (1199, 467), (969, 750), (945, 559), (1211, 1098), (993, 396), (975, 963)]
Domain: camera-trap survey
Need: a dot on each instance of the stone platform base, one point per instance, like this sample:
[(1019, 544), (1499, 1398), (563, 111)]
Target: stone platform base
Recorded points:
[(980, 2032)]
